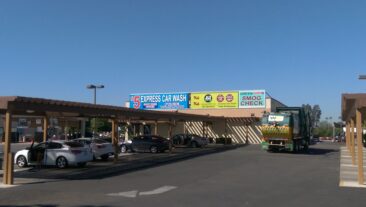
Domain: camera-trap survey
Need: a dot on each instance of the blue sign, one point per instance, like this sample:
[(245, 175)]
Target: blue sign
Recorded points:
[(169, 101)]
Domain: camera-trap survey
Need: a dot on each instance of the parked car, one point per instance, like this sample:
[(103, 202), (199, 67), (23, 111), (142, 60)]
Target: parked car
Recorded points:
[(58, 153), (192, 140), (145, 143), (100, 148)]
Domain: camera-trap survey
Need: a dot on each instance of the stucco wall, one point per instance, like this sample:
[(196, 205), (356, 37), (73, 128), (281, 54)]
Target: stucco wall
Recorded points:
[(237, 131)]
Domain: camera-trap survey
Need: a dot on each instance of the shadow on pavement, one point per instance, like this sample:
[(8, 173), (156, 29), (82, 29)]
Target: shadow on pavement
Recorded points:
[(43, 205), (100, 170), (319, 151), (46, 205)]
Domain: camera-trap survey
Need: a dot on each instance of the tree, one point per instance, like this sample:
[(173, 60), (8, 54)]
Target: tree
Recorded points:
[(101, 125), (315, 113)]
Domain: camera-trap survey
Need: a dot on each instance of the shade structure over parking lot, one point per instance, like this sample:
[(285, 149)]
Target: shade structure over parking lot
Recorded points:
[(354, 114), (27, 106)]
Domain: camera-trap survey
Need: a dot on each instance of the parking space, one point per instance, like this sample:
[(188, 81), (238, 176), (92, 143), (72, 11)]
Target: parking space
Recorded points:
[(246, 176), (103, 168)]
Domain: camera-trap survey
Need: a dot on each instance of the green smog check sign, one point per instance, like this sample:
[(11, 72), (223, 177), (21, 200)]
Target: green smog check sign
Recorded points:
[(252, 99)]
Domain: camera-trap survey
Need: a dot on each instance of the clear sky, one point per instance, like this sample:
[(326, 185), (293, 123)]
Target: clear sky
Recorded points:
[(308, 51)]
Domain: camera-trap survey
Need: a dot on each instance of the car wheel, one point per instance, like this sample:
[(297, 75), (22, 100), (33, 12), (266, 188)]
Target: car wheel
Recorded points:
[(153, 149), (104, 157), (81, 164), (22, 161), (123, 149), (61, 162), (194, 144)]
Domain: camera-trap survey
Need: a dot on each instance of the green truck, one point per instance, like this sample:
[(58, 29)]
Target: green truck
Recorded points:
[(287, 129)]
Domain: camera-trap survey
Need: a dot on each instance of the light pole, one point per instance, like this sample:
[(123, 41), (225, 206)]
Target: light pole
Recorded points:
[(95, 87), (330, 120), (362, 77), (91, 86)]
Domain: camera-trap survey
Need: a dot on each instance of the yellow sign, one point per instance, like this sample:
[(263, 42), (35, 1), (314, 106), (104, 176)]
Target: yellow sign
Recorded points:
[(215, 100)]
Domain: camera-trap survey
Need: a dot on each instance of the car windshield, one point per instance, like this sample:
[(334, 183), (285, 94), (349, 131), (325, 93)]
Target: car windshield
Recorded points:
[(99, 141), (84, 141), (156, 137), (74, 144), (40, 145), (276, 119)]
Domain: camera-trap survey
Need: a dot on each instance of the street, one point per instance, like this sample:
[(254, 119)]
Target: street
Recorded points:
[(245, 176)]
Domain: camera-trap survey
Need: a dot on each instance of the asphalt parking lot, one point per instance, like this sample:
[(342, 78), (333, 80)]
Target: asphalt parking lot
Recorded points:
[(244, 176), (126, 162)]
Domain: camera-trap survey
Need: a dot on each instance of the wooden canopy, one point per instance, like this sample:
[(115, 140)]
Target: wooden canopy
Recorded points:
[(354, 114), (351, 103), (18, 105), (23, 106)]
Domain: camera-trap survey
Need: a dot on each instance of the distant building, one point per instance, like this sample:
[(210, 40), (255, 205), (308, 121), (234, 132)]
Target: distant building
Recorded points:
[(243, 110)]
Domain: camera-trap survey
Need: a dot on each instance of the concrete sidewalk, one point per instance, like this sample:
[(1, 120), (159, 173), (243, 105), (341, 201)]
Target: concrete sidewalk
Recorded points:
[(348, 172)]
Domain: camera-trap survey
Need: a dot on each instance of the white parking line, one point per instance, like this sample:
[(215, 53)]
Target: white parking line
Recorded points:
[(134, 193), (160, 190), (7, 186), (128, 194)]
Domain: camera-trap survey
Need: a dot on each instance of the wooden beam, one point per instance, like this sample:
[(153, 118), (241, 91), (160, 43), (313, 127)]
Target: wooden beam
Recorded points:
[(115, 139), (45, 126), (247, 134), (348, 136), (359, 147), (8, 176), (225, 130), (170, 137), (353, 142), (156, 127)]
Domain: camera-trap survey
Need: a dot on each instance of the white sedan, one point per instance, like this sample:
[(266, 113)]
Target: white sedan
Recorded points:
[(100, 147), (58, 153)]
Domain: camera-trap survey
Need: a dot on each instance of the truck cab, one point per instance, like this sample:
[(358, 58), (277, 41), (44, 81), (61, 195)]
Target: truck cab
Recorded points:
[(287, 129), (277, 130)]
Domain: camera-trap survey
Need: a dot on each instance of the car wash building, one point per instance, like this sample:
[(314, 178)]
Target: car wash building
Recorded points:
[(241, 111)]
